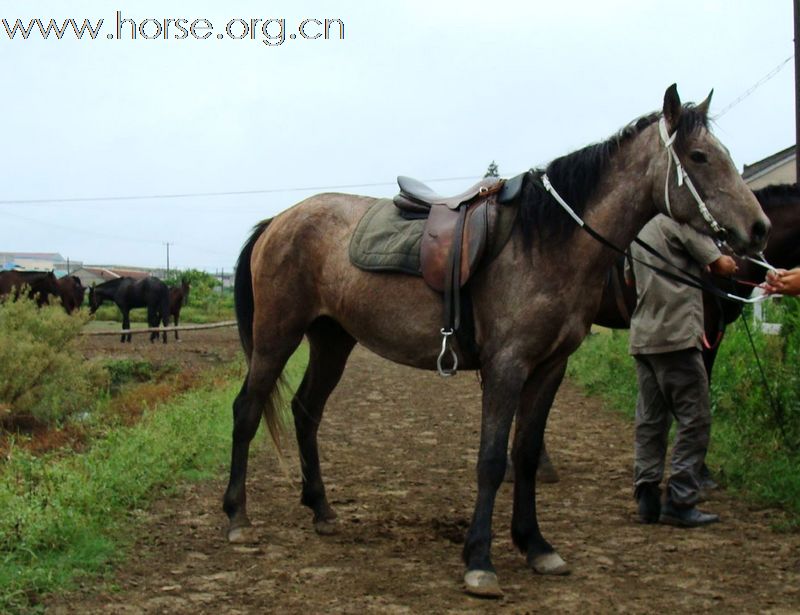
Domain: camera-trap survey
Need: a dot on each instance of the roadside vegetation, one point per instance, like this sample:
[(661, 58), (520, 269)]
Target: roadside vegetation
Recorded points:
[(755, 439), (137, 432)]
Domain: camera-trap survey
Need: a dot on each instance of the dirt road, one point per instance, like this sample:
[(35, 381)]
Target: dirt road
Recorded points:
[(399, 449)]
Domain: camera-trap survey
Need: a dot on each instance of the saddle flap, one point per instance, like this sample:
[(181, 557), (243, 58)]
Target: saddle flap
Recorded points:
[(439, 237)]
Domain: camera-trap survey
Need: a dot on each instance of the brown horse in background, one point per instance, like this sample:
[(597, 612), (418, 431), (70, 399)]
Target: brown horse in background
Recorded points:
[(532, 304), (40, 284), (72, 292), (178, 297)]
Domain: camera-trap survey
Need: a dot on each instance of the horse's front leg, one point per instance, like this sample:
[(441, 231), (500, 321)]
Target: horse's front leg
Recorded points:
[(537, 398), (502, 386), (126, 324)]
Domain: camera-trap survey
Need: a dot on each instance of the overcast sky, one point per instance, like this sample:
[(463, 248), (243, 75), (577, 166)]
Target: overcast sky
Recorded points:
[(432, 89)]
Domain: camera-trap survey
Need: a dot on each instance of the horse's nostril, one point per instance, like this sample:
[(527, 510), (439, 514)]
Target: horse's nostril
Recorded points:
[(759, 231)]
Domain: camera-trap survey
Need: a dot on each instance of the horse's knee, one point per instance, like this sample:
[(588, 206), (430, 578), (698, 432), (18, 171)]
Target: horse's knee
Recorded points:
[(492, 469)]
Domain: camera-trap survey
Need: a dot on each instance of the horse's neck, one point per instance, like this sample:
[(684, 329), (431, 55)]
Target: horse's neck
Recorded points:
[(622, 206), (783, 248), (108, 292)]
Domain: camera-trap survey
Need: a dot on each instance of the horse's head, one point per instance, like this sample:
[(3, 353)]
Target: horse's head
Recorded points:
[(72, 292), (94, 299), (185, 287), (78, 291), (696, 182)]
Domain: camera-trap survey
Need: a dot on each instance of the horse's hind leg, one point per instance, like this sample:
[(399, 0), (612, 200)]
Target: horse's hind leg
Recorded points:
[(537, 398), (152, 322), (330, 346), (126, 324), (165, 322), (258, 394), (175, 316)]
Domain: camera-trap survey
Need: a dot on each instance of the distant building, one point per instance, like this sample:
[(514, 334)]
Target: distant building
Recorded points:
[(779, 168), (97, 274), (39, 261)]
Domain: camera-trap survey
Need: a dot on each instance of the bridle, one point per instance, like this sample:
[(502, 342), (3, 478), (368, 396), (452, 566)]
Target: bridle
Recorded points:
[(683, 178)]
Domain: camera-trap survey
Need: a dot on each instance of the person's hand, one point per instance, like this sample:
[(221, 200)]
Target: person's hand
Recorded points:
[(724, 265), (783, 281)]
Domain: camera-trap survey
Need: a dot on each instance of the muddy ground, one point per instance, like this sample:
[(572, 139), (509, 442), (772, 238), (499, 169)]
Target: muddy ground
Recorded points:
[(399, 448)]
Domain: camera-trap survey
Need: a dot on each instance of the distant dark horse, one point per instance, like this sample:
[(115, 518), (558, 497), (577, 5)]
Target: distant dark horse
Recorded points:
[(128, 293), (532, 306), (178, 297), (41, 285), (781, 203), (71, 292)]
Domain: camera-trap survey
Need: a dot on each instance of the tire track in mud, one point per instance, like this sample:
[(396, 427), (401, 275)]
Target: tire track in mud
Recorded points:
[(398, 450)]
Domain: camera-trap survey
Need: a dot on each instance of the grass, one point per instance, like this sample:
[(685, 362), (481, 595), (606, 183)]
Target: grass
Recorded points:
[(749, 452), (63, 517)]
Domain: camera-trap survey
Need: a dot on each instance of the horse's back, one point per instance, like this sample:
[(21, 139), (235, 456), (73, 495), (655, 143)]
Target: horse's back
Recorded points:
[(301, 270)]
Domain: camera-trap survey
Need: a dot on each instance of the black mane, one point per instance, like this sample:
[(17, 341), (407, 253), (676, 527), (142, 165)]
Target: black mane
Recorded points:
[(577, 175), (777, 195)]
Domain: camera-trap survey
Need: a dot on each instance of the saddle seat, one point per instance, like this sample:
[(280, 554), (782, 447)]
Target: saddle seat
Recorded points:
[(421, 193)]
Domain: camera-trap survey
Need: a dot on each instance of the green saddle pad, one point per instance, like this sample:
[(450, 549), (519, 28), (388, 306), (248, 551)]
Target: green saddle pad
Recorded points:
[(385, 241)]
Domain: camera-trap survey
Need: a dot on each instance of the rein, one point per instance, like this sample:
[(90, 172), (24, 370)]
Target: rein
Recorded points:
[(683, 277)]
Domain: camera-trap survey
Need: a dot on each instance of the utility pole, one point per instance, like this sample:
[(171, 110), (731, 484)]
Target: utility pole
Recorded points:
[(796, 91), (168, 244)]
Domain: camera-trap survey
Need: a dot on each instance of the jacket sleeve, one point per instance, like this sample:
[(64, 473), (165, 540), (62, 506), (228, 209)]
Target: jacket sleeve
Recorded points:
[(700, 247)]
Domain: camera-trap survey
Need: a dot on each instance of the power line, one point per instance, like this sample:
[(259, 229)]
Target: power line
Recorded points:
[(111, 236), (755, 86), (186, 195)]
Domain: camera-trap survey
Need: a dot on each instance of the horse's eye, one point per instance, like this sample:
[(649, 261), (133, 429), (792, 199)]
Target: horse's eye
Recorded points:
[(698, 157)]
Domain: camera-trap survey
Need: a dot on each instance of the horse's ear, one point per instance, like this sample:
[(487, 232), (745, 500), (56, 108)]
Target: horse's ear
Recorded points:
[(703, 106), (672, 107)]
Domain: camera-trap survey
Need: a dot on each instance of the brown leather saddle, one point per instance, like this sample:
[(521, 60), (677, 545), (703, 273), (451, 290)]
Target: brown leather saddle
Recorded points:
[(454, 241)]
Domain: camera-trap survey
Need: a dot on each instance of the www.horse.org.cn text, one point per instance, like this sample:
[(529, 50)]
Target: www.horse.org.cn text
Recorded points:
[(272, 32)]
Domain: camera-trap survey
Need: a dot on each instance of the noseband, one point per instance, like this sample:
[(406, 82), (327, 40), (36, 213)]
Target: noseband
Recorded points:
[(683, 177)]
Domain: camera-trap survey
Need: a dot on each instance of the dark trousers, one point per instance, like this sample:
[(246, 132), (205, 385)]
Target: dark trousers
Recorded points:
[(672, 384)]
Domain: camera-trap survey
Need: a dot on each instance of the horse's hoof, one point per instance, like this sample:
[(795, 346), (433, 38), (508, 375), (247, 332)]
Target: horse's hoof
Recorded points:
[(326, 527), (482, 583), (242, 535), (547, 474), (549, 563)]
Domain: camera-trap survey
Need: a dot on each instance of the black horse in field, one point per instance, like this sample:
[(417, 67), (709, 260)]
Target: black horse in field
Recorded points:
[(128, 293)]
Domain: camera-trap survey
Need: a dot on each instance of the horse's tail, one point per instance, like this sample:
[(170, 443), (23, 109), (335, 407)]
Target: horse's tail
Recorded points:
[(243, 301), (244, 305)]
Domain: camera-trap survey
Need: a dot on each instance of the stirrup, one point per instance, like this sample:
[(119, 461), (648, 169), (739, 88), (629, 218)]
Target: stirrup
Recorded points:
[(444, 372)]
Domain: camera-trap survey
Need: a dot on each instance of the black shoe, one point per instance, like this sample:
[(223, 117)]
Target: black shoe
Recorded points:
[(706, 480), (685, 517), (648, 495)]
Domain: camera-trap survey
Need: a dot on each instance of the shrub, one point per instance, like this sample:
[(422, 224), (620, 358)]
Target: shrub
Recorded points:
[(41, 373)]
